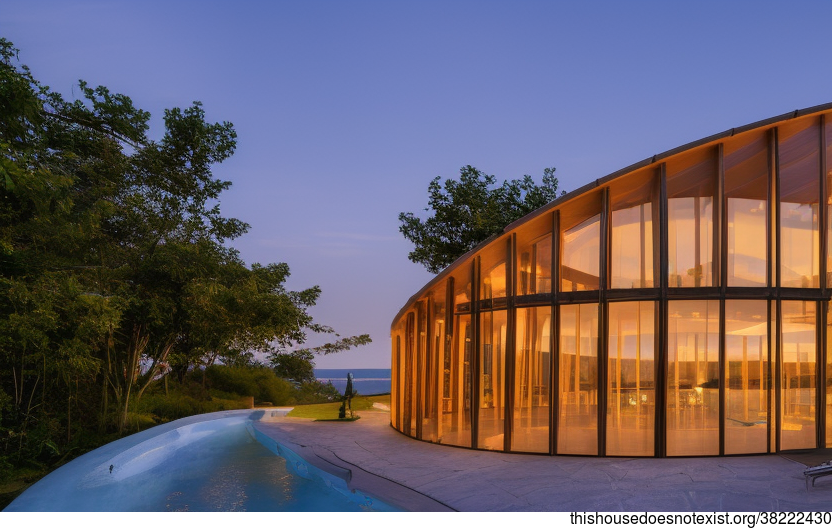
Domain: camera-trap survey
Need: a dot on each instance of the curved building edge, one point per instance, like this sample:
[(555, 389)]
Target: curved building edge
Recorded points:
[(676, 307)]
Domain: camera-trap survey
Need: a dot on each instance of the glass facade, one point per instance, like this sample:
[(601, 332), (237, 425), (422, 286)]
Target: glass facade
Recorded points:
[(692, 378), (534, 258), (580, 247), (492, 377), (691, 183), (797, 375), (747, 164), (677, 309), (746, 376), (532, 380), (578, 382), (631, 249), (799, 153), (631, 379)]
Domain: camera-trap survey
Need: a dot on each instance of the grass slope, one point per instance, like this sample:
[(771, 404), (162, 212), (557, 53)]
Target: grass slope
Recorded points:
[(329, 411)]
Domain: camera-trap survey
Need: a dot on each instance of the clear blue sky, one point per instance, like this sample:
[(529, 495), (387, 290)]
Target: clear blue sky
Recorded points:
[(346, 110)]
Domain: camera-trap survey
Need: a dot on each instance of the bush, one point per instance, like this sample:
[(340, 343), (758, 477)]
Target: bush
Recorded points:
[(178, 403), (317, 392), (261, 383)]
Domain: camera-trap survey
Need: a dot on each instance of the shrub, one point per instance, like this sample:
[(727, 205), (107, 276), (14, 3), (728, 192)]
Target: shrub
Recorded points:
[(261, 383)]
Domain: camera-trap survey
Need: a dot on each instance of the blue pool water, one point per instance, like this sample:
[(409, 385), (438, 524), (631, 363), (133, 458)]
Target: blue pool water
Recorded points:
[(209, 465)]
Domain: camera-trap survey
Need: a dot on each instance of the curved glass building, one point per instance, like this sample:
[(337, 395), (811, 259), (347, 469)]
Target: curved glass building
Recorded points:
[(678, 307)]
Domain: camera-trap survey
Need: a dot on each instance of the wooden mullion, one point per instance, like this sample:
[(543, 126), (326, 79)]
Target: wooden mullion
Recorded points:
[(511, 342), (660, 322), (554, 336)]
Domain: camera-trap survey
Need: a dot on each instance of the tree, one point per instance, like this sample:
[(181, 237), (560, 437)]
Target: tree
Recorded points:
[(466, 212), (114, 269), (298, 365)]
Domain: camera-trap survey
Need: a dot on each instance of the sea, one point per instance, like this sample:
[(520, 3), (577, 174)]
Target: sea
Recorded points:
[(365, 381)]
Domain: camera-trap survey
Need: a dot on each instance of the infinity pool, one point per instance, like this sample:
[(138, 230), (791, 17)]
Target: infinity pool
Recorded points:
[(206, 463)]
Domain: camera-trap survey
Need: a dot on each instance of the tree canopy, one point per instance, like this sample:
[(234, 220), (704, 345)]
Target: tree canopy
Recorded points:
[(466, 212), (114, 268)]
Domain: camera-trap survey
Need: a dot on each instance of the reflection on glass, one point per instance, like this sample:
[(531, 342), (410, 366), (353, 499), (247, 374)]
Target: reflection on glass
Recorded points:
[(492, 380), (435, 355), (693, 378), (828, 172), (493, 272), (772, 395), (631, 380), (797, 375), (829, 377), (456, 397), (746, 192), (690, 219), (746, 375), (397, 368), (578, 398), (494, 282), (746, 250), (462, 290), (422, 368), (799, 154), (581, 260), (535, 267), (409, 407), (632, 247), (690, 264), (531, 380)]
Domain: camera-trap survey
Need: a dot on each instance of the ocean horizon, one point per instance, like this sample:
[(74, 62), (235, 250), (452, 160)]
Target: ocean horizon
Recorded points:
[(365, 381)]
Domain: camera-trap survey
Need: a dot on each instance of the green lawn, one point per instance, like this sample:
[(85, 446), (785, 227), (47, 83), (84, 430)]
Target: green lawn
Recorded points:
[(329, 411)]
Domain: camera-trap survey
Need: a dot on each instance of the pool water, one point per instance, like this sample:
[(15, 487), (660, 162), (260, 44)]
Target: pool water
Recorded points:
[(213, 465), (229, 471)]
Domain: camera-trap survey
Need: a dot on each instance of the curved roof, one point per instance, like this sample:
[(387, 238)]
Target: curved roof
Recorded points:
[(600, 182)]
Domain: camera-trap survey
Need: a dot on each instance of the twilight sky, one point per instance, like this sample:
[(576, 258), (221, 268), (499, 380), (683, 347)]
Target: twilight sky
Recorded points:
[(345, 110)]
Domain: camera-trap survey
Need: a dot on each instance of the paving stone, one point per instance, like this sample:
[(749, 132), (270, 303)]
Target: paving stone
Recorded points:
[(745, 502), (705, 499), (491, 481), (659, 502)]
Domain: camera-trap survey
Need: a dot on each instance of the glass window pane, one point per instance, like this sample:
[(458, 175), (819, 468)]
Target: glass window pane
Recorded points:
[(396, 395), (581, 256), (492, 380), (409, 407), (693, 378), (799, 155), (797, 375), (534, 257), (542, 265), (746, 377), (690, 216), (422, 383), (828, 382), (493, 271), (456, 401), (631, 252), (828, 127), (632, 247), (772, 400), (578, 384), (746, 193), (462, 289), (631, 380), (434, 384), (531, 380)]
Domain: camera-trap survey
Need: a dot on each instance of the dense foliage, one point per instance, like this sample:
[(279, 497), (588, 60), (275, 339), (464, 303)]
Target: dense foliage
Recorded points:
[(466, 212), (115, 274)]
